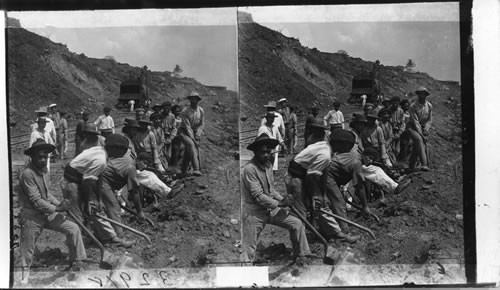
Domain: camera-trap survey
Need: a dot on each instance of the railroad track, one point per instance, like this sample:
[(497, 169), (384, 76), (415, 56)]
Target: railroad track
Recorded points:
[(22, 140)]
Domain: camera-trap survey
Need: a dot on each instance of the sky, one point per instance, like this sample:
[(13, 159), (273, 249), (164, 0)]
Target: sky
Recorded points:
[(204, 44), (427, 33)]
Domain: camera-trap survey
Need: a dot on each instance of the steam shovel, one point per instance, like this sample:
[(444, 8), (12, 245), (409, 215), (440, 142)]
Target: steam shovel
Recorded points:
[(106, 257), (329, 250)]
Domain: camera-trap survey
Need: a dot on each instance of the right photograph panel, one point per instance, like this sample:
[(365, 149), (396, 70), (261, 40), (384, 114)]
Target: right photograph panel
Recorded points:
[(350, 144)]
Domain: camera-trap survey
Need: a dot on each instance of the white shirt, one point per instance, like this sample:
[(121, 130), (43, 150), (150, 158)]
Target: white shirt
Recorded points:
[(105, 122), (272, 132), (91, 162), (49, 127), (315, 157), (45, 135), (334, 117), (278, 122)]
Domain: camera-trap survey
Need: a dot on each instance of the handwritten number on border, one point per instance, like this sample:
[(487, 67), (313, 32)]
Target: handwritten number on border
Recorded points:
[(98, 280), (125, 277), (161, 276), (114, 283), (145, 276)]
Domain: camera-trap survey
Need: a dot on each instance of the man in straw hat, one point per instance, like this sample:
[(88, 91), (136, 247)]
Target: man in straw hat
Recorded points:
[(105, 123), (190, 131), (418, 127), (284, 110), (262, 204), (305, 180), (278, 120), (272, 131), (49, 127), (398, 123), (129, 130), (80, 187), (41, 132), (146, 142), (40, 209), (373, 136)]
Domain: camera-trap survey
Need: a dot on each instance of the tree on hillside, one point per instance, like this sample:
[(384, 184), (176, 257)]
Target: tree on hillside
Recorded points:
[(177, 71), (342, 52), (410, 65)]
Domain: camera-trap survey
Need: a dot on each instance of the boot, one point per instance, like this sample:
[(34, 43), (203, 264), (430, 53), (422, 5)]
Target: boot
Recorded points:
[(121, 242)]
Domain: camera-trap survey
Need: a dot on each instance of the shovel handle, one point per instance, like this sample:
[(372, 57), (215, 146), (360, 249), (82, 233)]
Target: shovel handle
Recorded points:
[(349, 222), (125, 227), (130, 211), (88, 232), (308, 224)]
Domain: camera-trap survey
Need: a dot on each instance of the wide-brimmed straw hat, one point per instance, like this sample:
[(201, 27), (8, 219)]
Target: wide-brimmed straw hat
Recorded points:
[(318, 123), (194, 95), (271, 104), (282, 100), (422, 90), (359, 118), (263, 139), (91, 129), (372, 115), (41, 110), (38, 145)]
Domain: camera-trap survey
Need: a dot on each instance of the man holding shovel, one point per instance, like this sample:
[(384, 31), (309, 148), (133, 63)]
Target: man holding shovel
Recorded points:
[(190, 131), (40, 209), (418, 129), (81, 187), (262, 204), (304, 179)]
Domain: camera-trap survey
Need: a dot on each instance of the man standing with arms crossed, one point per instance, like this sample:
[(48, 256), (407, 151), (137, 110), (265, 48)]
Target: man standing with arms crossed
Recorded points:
[(105, 123)]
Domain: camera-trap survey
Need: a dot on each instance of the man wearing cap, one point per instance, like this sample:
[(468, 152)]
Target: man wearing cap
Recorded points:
[(140, 114), (373, 136), (278, 120), (105, 123), (130, 130), (40, 209), (78, 132), (63, 134), (146, 142), (335, 119), (49, 127), (120, 171), (41, 132), (270, 129), (190, 131), (169, 126), (80, 186), (90, 137), (418, 128), (307, 127), (398, 123), (262, 204), (54, 115), (284, 110)]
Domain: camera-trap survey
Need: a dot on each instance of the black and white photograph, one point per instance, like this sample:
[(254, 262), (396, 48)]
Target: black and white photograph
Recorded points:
[(123, 136), (351, 143)]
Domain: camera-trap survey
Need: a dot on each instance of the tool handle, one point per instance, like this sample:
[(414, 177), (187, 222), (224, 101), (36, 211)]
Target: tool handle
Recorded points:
[(130, 211), (125, 227), (349, 222), (87, 231), (308, 224)]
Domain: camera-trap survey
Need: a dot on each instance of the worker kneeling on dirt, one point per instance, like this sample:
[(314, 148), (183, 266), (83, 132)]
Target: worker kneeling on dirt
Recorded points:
[(262, 204), (304, 179), (80, 187), (119, 172), (40, 209)]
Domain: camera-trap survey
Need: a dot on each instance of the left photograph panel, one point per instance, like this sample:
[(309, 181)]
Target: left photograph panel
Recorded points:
[(123, 130)]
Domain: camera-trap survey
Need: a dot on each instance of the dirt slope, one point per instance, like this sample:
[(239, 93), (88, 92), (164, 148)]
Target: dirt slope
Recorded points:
[(420, 227)]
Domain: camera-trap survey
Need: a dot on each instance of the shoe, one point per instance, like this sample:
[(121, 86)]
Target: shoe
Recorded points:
[(121, 242), (425, 168), (351, 239), (402, 186), (302, 261), (196, 173)]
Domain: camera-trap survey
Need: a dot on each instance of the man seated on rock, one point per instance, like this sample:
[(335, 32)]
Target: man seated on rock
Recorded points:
[(41, 210), (190, 132), (119, 172), (262, 204), (373, 136), (304, 180), (80, 187), (146, 142)]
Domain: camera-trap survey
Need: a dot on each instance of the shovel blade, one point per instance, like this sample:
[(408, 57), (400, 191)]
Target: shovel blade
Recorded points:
[(331, 255), (107, 260)]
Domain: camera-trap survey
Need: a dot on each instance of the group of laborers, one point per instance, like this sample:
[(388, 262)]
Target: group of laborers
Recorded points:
[(317, 175), (107, 166)]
